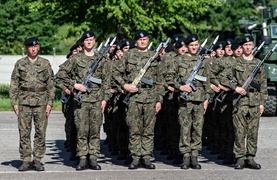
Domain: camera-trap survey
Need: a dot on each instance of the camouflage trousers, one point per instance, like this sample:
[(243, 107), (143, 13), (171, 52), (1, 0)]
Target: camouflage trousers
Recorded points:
[(246, 126), (141, 123), (25, 117), (88, 120), (191, 121)]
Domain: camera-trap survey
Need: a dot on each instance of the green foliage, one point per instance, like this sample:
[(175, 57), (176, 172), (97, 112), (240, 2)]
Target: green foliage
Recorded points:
[(4, 91), (17, 23)]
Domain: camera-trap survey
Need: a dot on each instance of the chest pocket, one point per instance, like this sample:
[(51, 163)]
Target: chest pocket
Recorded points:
[(184, 70), (22, 70), (42, 74), (81, 70)]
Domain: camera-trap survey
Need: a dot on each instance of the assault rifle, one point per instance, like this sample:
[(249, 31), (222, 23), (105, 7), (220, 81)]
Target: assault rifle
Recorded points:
[(250, 78), (139, 78), (193, 75), (219, 98), (170, 96), (89, 78)]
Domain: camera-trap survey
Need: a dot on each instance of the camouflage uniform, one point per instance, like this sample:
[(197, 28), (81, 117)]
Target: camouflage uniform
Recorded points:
[(246, 119), (191, 112), (222, 70), (171, 114), (88, 117), (140, 116), (68, 110), (32, 84)]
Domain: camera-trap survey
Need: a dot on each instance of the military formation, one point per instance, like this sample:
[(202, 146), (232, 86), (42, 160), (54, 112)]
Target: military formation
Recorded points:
[(175, 99)]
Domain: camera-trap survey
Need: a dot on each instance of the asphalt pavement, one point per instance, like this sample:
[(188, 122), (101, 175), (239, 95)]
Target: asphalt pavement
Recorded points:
[(58, 166)]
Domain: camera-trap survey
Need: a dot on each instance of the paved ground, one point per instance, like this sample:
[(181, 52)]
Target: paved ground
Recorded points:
[(58, 165)]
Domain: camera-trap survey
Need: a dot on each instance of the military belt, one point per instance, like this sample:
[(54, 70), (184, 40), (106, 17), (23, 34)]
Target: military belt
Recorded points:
[(33, 89)]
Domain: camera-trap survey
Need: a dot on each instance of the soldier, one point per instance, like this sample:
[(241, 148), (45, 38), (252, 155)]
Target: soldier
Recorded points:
[(32, 84), (145, 101), (87, 113), (227, 48), (246, 119), (236, 48), (191, 111)]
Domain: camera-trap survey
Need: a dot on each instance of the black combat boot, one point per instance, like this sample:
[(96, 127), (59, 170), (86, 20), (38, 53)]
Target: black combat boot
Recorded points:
[(194, 163), (82, 164), (250, 163), (186, 162), (38, 166), (147, 164), (25, 166), (94, 165), (134, 164), (240, 164)]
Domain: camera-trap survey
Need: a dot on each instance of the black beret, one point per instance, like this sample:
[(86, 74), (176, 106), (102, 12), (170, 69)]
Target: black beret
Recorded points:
[(180, 42), (246, 39), (69, 54), (31, 41), (191, 38), (176, 37), (236, 43), (87, 34), (73, 47), (140, 34), (219, 44), (169, 48), (228, 42)]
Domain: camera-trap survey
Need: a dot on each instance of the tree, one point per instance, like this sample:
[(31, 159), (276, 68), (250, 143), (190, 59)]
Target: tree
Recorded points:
[(17, 24)]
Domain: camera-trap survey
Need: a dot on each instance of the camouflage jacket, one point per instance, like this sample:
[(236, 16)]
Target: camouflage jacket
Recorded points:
[(241, 70), (31, 76), (127, 68), (179, 72), (74, 71)]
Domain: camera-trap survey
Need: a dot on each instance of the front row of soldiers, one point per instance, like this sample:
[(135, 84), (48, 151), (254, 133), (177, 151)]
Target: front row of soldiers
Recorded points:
[(188, 119)]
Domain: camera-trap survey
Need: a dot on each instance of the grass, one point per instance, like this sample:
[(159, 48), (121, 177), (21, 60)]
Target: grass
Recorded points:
[(5, 104)]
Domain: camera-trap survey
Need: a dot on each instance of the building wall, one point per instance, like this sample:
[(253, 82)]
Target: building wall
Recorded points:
[(7, 64)]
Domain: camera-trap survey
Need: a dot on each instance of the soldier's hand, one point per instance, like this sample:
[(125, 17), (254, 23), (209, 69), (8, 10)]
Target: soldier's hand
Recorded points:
[(206, 103), (241, 91), (48, 110), (67, 91), (214, 88), (170, 88), (224, 88), (15, 108), (158, 107), (130, 88), (80, 87), (261, 109), (103, 106), (186, 88), (112, 91)]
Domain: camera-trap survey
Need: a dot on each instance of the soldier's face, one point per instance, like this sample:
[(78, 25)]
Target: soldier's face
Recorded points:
[(119, 54), (142, 43), (219, 52), (193, 47), (33, 50), (247, 47), (125, 48), (228, 50), (112, 48), (89, 43), (182, 50), (238, 52)]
